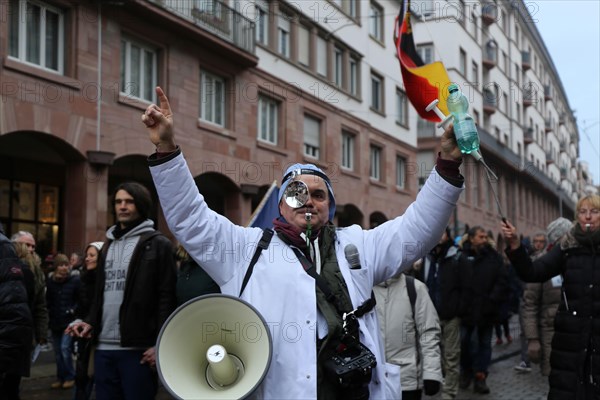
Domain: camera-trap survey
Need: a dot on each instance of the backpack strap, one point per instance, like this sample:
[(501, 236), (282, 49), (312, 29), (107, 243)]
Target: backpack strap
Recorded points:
[(412, 293), (262, 245)]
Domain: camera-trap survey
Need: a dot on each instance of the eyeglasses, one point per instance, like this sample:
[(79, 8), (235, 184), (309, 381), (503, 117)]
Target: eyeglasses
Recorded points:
[(592, 212)]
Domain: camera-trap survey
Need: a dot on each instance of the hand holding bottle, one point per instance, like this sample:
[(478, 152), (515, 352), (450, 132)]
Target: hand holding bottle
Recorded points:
[(464, 126)]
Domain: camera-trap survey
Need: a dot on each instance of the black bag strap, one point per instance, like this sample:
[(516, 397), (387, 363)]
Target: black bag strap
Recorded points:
[(310, 269), (412, 293), (262, 245), (321, 282)]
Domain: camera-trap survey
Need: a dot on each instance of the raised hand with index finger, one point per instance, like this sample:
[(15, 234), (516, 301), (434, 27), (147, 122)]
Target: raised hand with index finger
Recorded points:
[(159, 122)]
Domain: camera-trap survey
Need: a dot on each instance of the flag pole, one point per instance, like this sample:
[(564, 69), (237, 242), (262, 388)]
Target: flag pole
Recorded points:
[(262, 203)]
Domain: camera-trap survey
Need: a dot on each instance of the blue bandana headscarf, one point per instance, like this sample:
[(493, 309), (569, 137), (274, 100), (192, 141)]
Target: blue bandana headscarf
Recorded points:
[(305, 169)]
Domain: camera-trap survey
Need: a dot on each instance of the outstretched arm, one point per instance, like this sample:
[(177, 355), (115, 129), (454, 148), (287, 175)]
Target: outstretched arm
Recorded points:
[(510, 234), (159, 122)]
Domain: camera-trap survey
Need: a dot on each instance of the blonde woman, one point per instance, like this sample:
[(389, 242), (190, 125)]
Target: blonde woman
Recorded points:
[(576, 342)]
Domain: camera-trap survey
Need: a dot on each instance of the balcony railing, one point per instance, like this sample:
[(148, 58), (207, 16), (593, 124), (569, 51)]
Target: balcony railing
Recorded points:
[(563, 173), (563, 146), (489, 12), (525, 60), (217, 18), (528, 135), (547, 92), (529, 95), (490, 55), (490, 102), (573, 137)]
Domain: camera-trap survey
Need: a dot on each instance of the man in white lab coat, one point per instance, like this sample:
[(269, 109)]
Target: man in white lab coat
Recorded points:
[(305, 327)]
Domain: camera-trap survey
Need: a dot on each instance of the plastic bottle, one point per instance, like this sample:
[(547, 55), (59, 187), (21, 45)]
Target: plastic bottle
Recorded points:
[(465, 130)]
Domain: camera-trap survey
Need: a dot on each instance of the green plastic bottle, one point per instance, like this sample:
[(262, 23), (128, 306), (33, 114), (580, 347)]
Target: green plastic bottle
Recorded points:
[(465, 130)]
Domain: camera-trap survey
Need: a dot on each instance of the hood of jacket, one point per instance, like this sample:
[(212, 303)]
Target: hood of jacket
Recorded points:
[(143, 227)]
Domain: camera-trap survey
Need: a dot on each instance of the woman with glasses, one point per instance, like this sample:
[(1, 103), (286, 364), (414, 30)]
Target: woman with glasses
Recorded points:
[(575, 361)]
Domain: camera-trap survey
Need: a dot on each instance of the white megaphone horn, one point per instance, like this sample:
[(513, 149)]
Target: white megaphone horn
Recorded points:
[(213, 347)]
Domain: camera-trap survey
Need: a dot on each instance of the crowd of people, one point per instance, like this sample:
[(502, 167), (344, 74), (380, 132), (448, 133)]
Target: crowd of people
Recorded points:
[(424, 315)]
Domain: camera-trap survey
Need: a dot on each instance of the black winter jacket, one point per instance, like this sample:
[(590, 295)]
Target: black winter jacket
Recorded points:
[(61, 300), (486, 286), (447, 294), (16, 323), (149, 296), (575, 356)]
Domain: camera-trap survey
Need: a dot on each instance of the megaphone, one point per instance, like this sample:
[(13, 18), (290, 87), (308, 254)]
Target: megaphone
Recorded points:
[(213, 347)]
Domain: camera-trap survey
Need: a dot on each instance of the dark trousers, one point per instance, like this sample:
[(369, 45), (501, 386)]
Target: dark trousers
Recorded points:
[(411, 394), (475, 348), (9, 386), (120, 376), (83, 383)]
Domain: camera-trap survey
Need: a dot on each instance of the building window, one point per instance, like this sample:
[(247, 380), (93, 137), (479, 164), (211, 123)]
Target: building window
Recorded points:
[(375, 163), (347, 6), (426, 53), (400, 172), (139, 70), (262, 21), (462, 63), (303, 46), (348, 150), (312, 135), (36, 34), (401, 108), (32, 207), (338, 67), (283, 30), (474, 73), (353, 76), (376, 21), (321, 56), (212, 98), (376, 93), (268, 111)]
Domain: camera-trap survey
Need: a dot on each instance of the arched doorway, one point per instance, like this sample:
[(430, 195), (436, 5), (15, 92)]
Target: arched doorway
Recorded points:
[(37, 174), (349, 214)]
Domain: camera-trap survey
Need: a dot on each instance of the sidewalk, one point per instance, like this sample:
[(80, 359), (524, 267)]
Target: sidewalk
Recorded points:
[(504, 382)]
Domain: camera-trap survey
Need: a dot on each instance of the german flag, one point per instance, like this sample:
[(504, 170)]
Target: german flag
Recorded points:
[(423, 83)]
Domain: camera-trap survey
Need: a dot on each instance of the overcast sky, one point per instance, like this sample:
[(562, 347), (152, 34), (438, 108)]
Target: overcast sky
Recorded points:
[(570, 29)]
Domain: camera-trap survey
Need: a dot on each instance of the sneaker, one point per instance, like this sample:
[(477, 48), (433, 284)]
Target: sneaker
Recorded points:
[(481, 387), (523, 367), (509, 339), (68, 384), (465, 380), (56, 385), (498, 341)]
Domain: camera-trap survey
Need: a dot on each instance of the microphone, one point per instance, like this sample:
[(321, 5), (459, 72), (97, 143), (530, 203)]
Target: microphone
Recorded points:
[(351, 253)]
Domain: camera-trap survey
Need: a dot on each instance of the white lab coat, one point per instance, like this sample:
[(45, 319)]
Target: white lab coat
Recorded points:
[(282, 291)]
